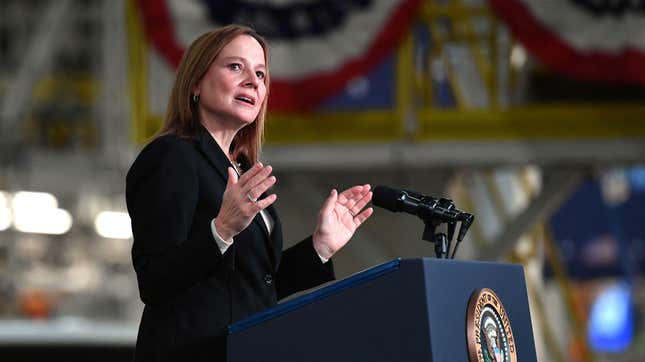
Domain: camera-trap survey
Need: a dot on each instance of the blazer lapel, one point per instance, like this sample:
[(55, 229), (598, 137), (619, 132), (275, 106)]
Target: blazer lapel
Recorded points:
[(213, 152)]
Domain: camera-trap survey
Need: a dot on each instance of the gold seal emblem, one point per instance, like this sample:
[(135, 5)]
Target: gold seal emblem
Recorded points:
[(489, 333)]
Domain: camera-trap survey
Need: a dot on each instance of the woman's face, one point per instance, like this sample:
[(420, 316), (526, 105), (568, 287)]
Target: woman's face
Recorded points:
[(233, 89)]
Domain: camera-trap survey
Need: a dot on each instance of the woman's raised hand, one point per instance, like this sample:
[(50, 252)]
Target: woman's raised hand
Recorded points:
[(240, 201), (339, 218)]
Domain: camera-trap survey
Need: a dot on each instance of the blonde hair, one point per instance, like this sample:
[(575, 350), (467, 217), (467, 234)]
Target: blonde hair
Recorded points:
[(182, 118)]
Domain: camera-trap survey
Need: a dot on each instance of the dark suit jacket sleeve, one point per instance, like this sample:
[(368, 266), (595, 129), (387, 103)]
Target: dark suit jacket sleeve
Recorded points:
[(301, 268), (161, 194)]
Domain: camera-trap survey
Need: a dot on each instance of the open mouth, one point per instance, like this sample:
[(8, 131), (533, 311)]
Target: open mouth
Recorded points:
[(246, 99)]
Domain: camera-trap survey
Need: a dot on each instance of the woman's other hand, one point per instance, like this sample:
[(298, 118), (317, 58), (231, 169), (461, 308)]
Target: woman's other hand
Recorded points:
[(240, 201), (339, 218)]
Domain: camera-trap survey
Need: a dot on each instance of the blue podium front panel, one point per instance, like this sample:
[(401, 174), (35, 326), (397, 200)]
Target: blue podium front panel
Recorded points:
[(449, 285)]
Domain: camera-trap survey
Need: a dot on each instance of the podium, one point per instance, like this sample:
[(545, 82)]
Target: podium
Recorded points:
[(404, 310)]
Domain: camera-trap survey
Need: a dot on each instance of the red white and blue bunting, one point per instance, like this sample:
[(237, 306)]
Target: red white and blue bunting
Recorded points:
[(601, 40), (317, 46)]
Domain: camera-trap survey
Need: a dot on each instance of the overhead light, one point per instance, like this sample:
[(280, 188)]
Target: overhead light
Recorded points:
[(43, 221), (5, 212), (38, 212), (113, 225), (5, 218), (34, 200)]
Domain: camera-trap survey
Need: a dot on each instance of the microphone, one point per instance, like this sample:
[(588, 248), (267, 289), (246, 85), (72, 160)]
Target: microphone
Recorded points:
[(414, 203), (428, 208)]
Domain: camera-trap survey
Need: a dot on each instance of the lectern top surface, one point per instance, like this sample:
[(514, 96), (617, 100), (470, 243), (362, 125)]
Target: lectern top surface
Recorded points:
[(299, 302)]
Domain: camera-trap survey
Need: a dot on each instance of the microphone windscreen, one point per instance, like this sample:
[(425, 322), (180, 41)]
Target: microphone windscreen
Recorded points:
[(385, 197)]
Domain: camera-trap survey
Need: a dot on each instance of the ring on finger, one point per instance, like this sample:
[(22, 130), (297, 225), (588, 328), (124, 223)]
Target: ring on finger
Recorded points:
[(253, 200)]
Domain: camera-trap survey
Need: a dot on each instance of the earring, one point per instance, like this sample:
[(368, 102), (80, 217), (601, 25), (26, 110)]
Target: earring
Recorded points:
[(195, 98)]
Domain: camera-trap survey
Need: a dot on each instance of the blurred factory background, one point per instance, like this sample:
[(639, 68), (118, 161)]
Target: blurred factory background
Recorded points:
[(528, 114)]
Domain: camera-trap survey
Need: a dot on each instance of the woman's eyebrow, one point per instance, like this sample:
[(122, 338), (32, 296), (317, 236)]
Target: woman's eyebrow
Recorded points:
[(243, 60), (233, 57)]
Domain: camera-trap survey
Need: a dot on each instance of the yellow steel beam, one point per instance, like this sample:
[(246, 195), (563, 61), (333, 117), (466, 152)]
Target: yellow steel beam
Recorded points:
[(404, 76), (142, 127), (333, 127), (582, 121), (522, 123)]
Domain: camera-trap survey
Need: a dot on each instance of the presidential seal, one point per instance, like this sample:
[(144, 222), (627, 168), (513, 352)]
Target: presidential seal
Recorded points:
[(490, 338)]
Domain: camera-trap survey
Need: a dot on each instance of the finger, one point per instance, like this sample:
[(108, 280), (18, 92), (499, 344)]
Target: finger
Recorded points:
[(258, 190), (246, 176), (232, 178), (359, 191), (266, 202), (344, 196), (356, 194), (360, 218), (360, 204), (328, 206), (258, 178)]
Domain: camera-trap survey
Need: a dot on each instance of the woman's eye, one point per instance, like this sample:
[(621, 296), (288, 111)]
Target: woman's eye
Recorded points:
[(235, 66), (260, 74)]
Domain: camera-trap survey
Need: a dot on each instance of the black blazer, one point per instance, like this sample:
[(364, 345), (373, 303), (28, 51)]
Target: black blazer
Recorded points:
[(190, 290)]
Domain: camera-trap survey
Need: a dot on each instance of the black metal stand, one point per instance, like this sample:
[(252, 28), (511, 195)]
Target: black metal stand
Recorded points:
[(442, 241), (441, 245)]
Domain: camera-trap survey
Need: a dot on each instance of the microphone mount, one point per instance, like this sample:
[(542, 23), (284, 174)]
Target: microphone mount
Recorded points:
[(435, 212)]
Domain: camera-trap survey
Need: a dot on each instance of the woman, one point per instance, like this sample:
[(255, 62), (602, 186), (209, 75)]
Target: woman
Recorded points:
[(207, 240)]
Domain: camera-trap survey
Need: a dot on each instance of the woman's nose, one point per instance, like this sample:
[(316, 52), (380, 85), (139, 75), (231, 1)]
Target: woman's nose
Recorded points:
[(251, 79)]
